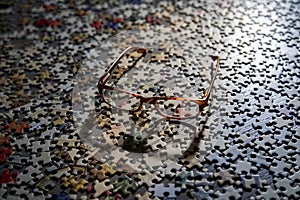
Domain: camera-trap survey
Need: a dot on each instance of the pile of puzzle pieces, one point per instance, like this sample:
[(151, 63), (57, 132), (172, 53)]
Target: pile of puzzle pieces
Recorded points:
[(58, 143)]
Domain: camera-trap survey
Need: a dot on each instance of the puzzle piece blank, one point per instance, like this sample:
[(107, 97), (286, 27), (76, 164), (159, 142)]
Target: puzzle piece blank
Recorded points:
[(160, 190)]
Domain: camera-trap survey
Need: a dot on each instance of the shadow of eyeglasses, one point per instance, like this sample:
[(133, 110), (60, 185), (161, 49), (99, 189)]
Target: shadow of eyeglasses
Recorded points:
[(132, 142)]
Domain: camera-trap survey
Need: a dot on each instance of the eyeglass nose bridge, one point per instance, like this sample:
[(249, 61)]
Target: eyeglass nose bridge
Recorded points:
[(149, 100)]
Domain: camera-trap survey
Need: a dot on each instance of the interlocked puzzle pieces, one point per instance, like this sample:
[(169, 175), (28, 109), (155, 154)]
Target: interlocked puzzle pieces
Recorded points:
[(246, 148)]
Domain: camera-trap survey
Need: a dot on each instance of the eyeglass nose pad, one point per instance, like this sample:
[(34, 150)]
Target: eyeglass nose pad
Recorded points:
[(157, 107)]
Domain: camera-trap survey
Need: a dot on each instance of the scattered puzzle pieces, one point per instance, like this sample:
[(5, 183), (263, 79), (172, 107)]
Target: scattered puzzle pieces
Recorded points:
[(60, 140)]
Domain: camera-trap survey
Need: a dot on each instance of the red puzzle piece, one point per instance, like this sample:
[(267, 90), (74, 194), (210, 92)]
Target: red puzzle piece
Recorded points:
[(7, 176), (3, 154)]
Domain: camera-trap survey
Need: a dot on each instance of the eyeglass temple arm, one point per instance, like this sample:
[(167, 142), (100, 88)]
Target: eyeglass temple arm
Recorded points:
[(214, 75), (107, 74)]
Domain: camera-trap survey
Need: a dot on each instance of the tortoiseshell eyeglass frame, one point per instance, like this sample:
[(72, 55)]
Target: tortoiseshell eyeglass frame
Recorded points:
[(154, 100)]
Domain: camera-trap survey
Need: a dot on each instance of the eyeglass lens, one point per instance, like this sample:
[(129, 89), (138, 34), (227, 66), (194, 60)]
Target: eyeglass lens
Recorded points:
[(121, 99)]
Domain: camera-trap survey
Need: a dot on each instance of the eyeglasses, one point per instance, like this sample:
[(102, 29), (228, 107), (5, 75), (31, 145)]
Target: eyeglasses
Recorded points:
[(169, 107)]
